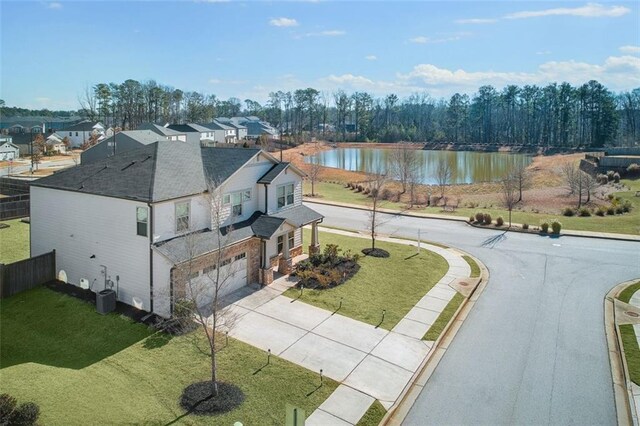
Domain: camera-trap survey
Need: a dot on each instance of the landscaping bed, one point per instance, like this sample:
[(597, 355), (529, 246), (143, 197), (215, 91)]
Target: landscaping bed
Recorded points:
[(393, 284), (82, 368)]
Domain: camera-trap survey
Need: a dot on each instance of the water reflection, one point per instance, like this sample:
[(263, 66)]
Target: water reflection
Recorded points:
[(466, 166)]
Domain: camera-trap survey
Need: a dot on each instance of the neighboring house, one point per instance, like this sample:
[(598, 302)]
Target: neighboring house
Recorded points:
[(195, 132), (223, 133), (23, 142), (81, 132), (43, 123), (118, 143), (170, 134), (138, 217), (253, 125), (8, 151), (55, 143)]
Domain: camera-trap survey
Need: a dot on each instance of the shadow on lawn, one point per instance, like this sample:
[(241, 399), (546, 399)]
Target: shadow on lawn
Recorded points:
[(49, 328)]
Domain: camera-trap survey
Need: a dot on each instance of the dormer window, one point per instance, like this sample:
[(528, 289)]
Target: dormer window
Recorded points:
[(285, 195)]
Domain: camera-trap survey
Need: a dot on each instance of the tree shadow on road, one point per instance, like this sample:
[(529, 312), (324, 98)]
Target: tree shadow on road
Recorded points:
[(491, 242)]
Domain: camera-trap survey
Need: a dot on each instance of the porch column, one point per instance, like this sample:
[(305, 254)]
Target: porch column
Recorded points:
[(266, 273), (314, 247), (286, 264)]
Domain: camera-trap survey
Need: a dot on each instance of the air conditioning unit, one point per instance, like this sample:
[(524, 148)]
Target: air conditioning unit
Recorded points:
[(105, 301)]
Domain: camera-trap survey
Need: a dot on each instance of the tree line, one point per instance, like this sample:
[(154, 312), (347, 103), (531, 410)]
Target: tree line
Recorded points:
[(555, 115)]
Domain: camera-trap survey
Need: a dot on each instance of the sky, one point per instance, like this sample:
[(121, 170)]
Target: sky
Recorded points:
[(246, 49)]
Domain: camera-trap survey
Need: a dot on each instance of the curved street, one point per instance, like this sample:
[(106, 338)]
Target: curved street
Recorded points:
[(533, 349)]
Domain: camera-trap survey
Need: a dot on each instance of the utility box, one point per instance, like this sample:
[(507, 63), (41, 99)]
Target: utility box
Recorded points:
[(105, 301)]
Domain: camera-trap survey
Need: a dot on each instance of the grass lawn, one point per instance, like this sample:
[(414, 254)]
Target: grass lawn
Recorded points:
[(394, 284), (14, 241), (437, 327), (631, 351), (627, 293), (628, 223), (373, 416), (85, 368)]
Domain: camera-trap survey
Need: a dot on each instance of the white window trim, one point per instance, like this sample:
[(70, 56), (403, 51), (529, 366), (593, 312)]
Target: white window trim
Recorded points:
[(188, 203), (293, 193)]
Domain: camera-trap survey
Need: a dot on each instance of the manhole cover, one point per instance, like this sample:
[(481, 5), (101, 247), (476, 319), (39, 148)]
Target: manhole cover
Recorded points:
[(463, 283), (632, 314)]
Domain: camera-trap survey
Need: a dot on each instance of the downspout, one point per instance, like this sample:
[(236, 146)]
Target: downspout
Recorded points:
[(150, 257)]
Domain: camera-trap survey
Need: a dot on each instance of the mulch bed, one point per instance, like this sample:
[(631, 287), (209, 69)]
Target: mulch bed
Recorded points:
[(375, 252), (198, 398), (345, 271)]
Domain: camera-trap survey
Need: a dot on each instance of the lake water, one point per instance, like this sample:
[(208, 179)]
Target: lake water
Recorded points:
[(466, 166)]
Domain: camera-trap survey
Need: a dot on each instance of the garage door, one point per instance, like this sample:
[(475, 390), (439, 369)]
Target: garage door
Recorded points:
[(235, 272)]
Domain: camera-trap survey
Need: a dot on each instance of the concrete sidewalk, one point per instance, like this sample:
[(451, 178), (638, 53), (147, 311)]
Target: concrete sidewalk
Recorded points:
[(369, 362)]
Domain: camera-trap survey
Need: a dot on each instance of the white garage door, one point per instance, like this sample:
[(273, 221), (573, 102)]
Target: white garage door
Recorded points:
[(234, 274)]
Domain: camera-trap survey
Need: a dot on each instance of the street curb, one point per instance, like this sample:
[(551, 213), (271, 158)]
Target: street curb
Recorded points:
[(399, 411), (623, 394), (569, 233)]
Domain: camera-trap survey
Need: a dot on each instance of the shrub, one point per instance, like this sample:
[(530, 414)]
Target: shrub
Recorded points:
[(568, 211), (601, 211), (479, 217), (610, 197), (555, 227), (544, 227), (359, 188), (386, 194), (327, 269), (602, 179), (499, 221), (584, 212), (616, 177), (525, 226), (25, 414), (619, 210), (611, 211), (487, 219), (626, 207), (472, 218), (367, 190), (633, 169), (610, 174)]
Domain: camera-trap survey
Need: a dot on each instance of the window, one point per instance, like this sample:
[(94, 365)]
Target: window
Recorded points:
[(236, 199), (225, 262), (240, 256), (209, 269), (285, 195), (280, 243), (76, 133), (182, 216), (194, 275), (142, 218), (70, 134), (292, 237)]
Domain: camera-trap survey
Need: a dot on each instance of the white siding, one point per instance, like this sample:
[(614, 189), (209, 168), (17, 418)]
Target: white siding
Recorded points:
[(286, 177), (272, 244), (164, 216), (161, 285), (78, 226)]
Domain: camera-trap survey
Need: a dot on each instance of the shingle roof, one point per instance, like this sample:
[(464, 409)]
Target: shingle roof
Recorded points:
[(189, 128), (160, 130), (214, 125), (83, 126), (159, 171), (145, 137), (273, 172), (299, 216)]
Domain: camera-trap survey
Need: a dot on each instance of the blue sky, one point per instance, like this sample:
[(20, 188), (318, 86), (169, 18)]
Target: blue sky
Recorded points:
[(247, 49)]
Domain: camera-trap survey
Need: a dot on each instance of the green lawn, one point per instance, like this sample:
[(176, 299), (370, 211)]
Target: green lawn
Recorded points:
[(628, 223), (631, 351), (437, 327), (626, 294), (85, 368), (14, 241), (373, 416), (394, 284)]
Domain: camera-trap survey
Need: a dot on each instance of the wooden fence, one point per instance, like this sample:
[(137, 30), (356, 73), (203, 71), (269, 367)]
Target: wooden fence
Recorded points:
[(27, 274)]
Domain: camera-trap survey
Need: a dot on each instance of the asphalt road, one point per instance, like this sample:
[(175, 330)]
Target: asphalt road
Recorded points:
[(533, 349)]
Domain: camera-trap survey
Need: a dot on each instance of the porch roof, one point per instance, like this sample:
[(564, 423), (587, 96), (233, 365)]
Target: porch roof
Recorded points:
[(299, 215)]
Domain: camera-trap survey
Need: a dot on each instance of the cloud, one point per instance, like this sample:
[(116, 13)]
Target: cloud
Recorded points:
[(476, 21), (590, 10), (438, 40), (220, 81), (543, 52), (283, 22), (326, 33), (54, 5), (629, 49), (371, 57)]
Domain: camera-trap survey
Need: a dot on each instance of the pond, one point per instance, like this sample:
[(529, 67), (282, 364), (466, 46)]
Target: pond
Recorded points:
[(466, 166)]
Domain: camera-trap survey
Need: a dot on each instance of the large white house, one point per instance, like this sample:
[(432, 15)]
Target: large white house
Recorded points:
[(81, 132), (136, 218)]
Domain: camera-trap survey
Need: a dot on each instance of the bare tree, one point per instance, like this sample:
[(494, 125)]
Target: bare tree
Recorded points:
[(443, 175), (589, 184), (205, 284), (314, 168), (522, 179), (377, 180), (38, 148), (573, 180), (403, 164), (88, 103), (414, 179), (510, 188)]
